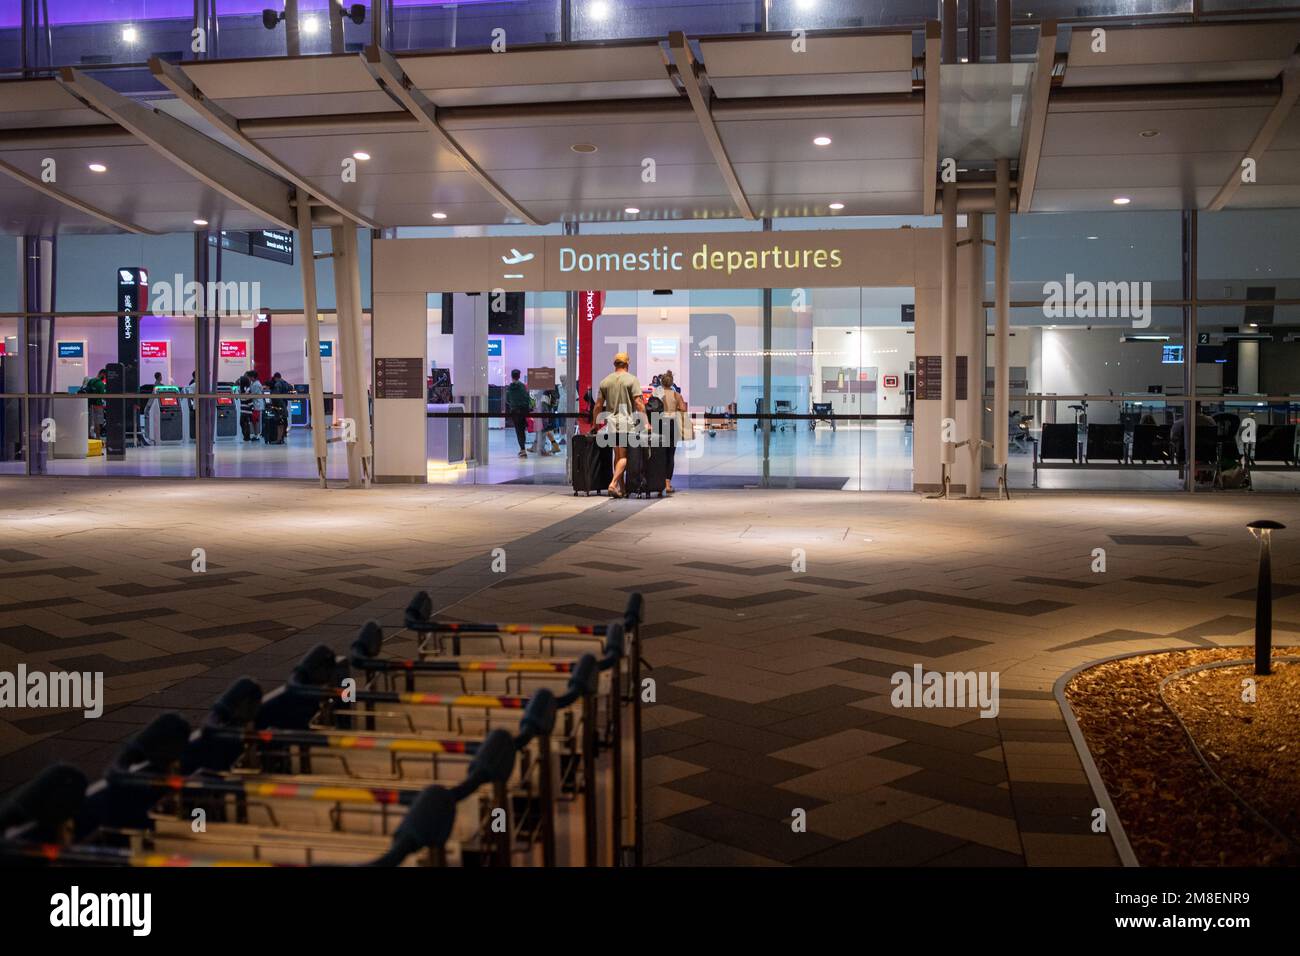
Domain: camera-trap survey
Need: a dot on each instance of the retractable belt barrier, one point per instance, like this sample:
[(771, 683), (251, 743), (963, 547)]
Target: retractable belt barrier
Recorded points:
[(176, 797)]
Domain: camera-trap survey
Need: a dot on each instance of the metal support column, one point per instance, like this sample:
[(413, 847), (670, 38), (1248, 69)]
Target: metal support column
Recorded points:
[(948, 340), (355, 399), (767, 405), (1002, 326), (315, 377), (292, 47), (205, 371), (975, 362), (570, 396), (1191, 338)]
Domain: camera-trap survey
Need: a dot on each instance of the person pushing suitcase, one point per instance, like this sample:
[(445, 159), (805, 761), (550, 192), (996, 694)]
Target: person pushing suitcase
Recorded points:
[(621, 392)]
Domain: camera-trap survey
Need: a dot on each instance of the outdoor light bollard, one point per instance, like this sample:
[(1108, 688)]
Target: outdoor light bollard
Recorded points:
[(1264, 596)]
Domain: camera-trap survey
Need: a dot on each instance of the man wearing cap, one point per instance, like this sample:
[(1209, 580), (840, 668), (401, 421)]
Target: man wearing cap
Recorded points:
[(619, 398)]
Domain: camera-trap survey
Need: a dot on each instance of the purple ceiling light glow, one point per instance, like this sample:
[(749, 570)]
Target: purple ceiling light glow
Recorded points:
[(85, 12)]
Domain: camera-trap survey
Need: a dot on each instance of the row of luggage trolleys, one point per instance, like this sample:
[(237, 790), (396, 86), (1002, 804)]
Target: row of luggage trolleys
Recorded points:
[(445, 744)]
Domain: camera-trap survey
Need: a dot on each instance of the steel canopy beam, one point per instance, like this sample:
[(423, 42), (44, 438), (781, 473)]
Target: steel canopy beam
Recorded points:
[(389, 75), (1259, 145), (13, 172), (930, 136), (179, 82), (1031, 140), (688, 71), (212, 163)]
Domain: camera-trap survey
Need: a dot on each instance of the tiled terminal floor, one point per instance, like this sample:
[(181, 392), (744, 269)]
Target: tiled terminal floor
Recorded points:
[(772, 686)]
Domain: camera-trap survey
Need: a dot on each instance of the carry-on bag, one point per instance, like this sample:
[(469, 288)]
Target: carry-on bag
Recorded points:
[(593, 467)]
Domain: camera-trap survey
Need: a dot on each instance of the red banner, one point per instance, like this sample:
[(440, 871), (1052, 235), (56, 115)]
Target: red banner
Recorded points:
[(153, 350), (234, 348), (590, 305), (262, 347)]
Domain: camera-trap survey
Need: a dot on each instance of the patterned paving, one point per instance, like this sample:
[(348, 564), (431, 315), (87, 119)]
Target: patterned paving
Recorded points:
[(772, 686)]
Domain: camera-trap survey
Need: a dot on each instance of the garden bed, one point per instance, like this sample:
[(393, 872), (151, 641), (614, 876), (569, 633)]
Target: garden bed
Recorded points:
[(1174, 811)]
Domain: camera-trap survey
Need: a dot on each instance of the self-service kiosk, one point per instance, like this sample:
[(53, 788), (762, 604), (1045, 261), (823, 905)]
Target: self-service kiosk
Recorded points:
[(169, 423), (227, 413), (300, 408)]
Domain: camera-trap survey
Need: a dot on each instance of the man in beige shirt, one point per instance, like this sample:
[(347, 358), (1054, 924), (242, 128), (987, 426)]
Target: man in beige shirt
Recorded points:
[(619, 398)]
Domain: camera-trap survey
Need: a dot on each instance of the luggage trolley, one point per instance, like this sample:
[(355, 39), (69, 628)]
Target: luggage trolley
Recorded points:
[(435, 639)]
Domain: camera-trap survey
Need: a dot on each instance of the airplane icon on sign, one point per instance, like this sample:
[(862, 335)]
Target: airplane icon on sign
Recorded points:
[(517, 257)]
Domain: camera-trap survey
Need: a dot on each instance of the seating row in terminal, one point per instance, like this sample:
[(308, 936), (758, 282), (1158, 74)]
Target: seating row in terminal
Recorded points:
[(446, 744)]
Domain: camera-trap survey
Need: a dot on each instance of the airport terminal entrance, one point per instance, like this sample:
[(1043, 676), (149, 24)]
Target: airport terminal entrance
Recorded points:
[(793, 388)]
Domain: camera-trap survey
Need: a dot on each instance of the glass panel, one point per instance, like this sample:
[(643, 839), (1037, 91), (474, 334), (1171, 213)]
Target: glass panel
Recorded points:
[(259, 435), (422, 26), (11, 431), (86, 33), (621, 19), (11, 34), (76, 356)]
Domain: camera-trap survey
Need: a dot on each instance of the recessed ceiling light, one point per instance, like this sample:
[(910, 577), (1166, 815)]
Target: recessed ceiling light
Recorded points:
[(632, 210), (1094, 237), (439, 215), (583, 148), (130, 34), (97, 168), (310, 25), (1148, 133), (200, 222), (1121, 200), (837, 205), (361, 156), (965, 60), (822, 141)]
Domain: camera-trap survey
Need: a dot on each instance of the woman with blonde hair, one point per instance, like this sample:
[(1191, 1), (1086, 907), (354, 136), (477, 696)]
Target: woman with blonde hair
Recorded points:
[(671, 424)]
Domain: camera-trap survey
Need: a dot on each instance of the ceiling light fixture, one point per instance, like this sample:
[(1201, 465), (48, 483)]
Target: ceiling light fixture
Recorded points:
[(1121, 200), (439, 215), (200, 222), (822, 141), (837, 206), (583, 148), (1148, 133), (1094, 237), (97, 168), (632, 210), (599, 10), (310, 25), (361, 156), (130, 35)]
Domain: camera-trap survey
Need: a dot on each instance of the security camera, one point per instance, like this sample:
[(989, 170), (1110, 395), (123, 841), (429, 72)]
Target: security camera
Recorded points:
[(357, 14), (270, 19)]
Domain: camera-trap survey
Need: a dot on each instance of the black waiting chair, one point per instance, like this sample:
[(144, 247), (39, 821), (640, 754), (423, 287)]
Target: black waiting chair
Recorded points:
[(1106, 443), (1059, 441), (1275, 443), (1150, 443)]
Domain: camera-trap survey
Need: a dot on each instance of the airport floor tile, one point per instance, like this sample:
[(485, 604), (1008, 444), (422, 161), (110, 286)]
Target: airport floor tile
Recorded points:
[(772, 687)]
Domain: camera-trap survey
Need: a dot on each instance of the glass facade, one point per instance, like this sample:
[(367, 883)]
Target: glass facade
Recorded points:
[(39, 36), (796, 388)]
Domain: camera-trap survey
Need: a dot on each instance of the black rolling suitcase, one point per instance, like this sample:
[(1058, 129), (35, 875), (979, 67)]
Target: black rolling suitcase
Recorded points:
[(273, 426), (647, 471), (593, 467)]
